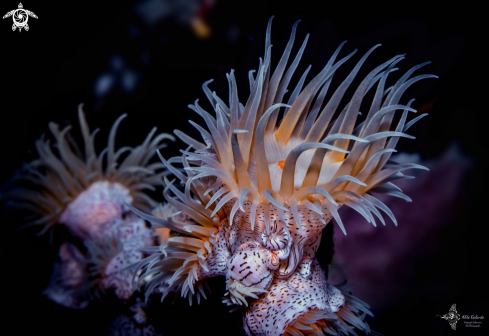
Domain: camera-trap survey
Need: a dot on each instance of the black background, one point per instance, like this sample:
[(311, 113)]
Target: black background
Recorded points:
[(47, 71)]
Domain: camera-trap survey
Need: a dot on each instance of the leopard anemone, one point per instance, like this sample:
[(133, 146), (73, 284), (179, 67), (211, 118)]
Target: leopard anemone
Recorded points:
[(260, 188), (86, 191)]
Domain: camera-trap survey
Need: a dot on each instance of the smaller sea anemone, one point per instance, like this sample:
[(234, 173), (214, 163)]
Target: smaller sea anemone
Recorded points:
[(88, 192), (83, 190)]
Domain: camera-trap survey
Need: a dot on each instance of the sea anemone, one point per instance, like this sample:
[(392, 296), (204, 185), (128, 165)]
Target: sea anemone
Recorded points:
[(88, 194), (259, 192), (83, 190)]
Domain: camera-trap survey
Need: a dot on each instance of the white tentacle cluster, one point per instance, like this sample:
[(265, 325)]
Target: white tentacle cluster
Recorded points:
[(82, 189), (254, 184)]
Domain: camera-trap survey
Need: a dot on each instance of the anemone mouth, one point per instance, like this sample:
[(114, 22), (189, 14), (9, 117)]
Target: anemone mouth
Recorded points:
[(274, 260), (277, 238), (46, 187)]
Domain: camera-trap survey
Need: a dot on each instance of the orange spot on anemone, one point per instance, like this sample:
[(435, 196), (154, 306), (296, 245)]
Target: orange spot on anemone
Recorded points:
[(275, 260), (281, 164)]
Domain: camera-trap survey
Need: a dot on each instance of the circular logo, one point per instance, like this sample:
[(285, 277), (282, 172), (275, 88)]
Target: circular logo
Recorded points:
[(20, 17)]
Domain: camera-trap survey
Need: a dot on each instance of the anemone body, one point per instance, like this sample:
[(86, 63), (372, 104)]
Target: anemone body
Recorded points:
[(93, 212), (304, 304), (263, 183)]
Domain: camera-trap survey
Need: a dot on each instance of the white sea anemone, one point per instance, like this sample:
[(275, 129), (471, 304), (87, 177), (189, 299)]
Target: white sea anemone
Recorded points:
[(255, 184), (86, 190)]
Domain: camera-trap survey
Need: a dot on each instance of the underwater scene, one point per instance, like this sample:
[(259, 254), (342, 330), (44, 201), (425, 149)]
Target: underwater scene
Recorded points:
[(210, 167)]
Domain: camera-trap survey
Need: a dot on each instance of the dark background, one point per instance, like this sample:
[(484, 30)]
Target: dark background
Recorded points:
[(157, 70)]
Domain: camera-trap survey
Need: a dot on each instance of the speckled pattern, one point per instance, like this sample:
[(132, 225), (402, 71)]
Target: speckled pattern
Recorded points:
[(295, 244), (216, 261), (287, 299), (132, 234), (253, 266), (253, 258)]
